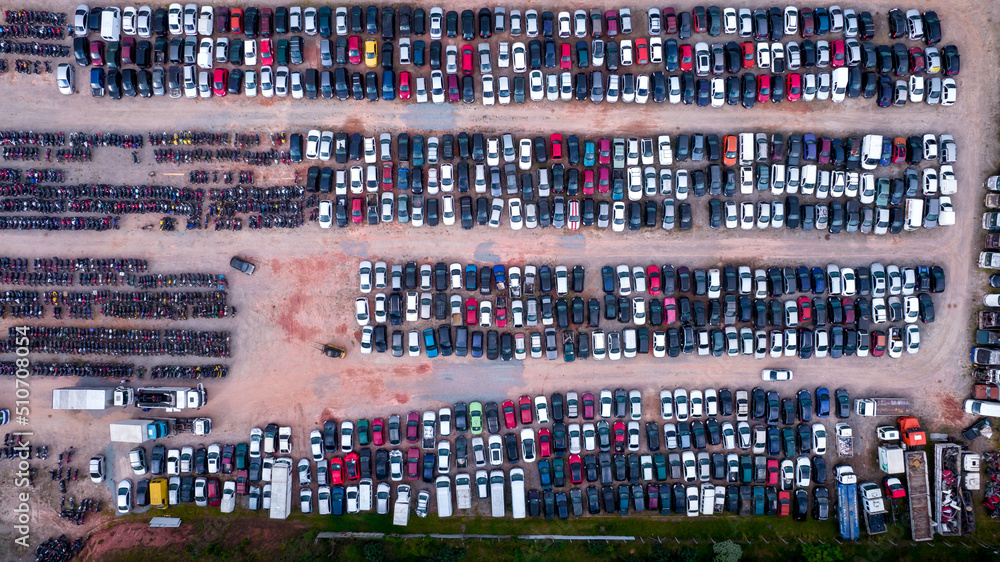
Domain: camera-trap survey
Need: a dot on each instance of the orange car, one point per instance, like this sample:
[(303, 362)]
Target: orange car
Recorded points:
[(729, 150)]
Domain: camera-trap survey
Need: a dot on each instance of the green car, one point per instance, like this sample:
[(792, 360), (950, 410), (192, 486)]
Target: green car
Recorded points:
[(281, 52), (788, 438), (758, 500), (364, 435), (241, 455), (476, 418)]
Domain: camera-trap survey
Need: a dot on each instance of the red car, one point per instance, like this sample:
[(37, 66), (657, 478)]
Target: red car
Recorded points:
[(565, 59), (848, 310), (763, 88), (573, 219), (453, 91), (604, 151), (128, 50), (509, 420), (471, 311), (603, 179), (387, 176), (772, 472), (686, 57), (266, 55), (575, 469), (544, 442), (336, 471), (784, 503), (898, 150), (356, 214), (412, 463), (412, 427), (467, 59), (524, 404), (669, 21), (354, 50), (641, 51), (265, 22), (878, 344), (556, 140), (619, 434), (588, 182), (805, 310), (214, 492), (918, 63), (404, 85), (748, 55), (236, 21), (501, 312), (588, 405), (219, 82), (669, 310), (97, 53), (377, 432), (838, 57), (653, 274), (793, 86), (351, 466)]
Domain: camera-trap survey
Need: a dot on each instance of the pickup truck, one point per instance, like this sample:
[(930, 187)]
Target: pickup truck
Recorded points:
[(988, 337), (241, 482), (986, 392), (985, 356)]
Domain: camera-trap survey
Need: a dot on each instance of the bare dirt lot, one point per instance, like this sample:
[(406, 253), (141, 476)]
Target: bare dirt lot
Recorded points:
[(307, 278)]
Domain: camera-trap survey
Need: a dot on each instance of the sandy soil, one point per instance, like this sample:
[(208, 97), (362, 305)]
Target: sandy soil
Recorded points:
[(306, 279)]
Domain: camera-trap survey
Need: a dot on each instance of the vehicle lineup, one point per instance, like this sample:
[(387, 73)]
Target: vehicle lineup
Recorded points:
[(534, 262)]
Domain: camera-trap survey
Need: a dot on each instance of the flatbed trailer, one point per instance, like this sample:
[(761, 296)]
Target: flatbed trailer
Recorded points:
[(919, 496)]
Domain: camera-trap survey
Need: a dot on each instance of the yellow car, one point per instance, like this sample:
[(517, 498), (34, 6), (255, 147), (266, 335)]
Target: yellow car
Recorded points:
[(371, 53)]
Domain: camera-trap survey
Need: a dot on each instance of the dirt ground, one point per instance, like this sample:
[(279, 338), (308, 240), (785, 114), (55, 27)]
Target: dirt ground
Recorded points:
[(306, 278)]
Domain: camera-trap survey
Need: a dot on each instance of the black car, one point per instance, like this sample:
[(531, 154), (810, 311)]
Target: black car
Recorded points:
[(801, 506), (843, 403), (821, 503)]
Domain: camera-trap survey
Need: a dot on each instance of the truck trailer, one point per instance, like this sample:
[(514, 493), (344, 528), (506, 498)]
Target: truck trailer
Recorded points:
[(948, 502), (84, 398), (281, 489), (920, 497), (847, 503), (882, 406), (890, 459)]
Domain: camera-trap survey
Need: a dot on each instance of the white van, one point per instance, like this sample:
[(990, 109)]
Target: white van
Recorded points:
[(365, 494), (443, 499), (871, 151), (629, 342), (707, 499), (497, 493), (808, 179), (517, 492), (747, 153), (914, 214), (983, 408), (111, 24)]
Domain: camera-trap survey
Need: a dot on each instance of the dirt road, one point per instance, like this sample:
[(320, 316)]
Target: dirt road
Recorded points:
[(306, 279)]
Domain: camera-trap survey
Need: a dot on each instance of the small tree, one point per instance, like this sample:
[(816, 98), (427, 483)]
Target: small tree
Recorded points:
[(727, 551), (822, 553)]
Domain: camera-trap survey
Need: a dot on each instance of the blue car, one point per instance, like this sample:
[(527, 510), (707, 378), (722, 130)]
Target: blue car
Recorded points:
[(430, 343), (822, 402), (337, 500)]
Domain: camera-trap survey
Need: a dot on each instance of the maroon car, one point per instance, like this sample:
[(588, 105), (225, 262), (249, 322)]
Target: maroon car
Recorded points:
[(128, 50), (265, 22), (588, 405), (97, 53), (412, 463), (453, 91), (228, 452), (412, 427), (214, 492)]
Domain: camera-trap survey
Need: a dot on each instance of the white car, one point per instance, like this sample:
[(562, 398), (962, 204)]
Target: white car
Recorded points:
[(124, 497), (635, 404), (681, 404), (346, 436), (316, 445), (65, 79), (256, 440), (773, 375), (697, 403), (529, 447), (97, 469), (818, 439), (361, 310), (266, 81), (606, 401), (666, 404)]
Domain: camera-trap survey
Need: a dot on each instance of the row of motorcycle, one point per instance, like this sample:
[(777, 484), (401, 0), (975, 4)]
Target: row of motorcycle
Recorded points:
[(49, 223), (188, 137), (36, 279), (31, 32), (117, 140), (107, 207), (34, 17), (34, 48), (12, 137), (103, 191), (78, 369)]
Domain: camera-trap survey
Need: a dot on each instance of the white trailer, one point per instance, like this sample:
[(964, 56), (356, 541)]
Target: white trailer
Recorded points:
[(281, 489), (82, 398), (401, 509)]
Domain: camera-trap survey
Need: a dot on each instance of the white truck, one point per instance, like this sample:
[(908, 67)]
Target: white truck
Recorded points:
[(870, 407), (874, 508), (890, 459), (463, 491), (845, 440), (96, 398), (401, 509), (281, 489), (172, 399), (989, 260)]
